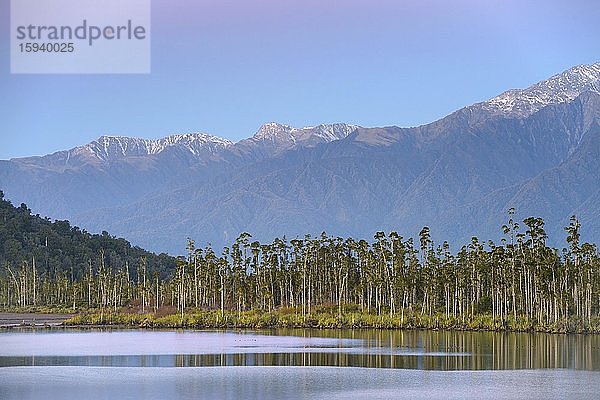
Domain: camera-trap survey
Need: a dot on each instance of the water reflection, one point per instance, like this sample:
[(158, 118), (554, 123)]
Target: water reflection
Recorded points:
[(484, 350), (245, 359), (421, 350)]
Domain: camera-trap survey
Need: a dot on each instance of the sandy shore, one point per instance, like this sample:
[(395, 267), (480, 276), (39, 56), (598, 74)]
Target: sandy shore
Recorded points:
[(8, 320)]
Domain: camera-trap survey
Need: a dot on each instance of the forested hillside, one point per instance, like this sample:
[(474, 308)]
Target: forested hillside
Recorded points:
[(51, 250)]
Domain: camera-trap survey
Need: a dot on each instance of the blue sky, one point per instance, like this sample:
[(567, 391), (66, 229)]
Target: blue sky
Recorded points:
[(227, 66)]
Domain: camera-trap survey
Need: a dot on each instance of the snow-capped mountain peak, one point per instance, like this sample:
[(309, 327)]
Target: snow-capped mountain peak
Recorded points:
[(561, 88), (274, 131), (287, 136), (114, 147)]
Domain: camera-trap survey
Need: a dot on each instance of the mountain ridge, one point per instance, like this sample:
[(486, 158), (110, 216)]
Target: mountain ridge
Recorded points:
[(457, 175), (560, 88)]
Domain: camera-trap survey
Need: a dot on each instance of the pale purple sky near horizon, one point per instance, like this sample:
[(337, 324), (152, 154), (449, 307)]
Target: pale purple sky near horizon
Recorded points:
[(226, 67)]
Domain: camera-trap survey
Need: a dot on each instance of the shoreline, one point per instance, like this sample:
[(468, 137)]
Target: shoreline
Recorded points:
[(283, 319), (10, 320)]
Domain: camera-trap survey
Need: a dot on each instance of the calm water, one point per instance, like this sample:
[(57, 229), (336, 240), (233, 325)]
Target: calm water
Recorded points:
[(290, 364)]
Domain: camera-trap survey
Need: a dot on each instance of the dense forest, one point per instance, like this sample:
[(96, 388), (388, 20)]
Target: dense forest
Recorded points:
[(518, 279), (41, 260)]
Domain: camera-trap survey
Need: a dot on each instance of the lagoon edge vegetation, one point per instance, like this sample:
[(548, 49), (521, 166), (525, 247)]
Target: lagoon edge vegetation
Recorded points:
[(520, 284)]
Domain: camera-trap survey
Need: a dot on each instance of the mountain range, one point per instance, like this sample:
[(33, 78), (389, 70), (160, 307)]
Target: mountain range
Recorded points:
[(535, 149)]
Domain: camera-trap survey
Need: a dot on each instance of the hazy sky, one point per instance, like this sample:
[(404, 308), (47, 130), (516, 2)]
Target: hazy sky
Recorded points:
[(227, 66)]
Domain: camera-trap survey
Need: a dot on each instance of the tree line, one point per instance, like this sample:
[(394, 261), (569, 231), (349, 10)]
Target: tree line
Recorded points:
[(521, 276), (389, 275)]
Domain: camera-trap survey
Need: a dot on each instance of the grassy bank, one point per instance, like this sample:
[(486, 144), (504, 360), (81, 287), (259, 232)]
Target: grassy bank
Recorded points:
[(327, 319)]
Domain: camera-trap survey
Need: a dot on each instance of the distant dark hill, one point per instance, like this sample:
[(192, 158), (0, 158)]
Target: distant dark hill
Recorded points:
[(535, 149), (57, 248)]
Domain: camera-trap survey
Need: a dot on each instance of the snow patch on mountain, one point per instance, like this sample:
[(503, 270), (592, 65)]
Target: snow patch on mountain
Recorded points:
[(561, 88), (285, 134), (115, 147)]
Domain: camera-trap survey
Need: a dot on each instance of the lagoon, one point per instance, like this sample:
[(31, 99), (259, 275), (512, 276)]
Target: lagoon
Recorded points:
[(296, 364)]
